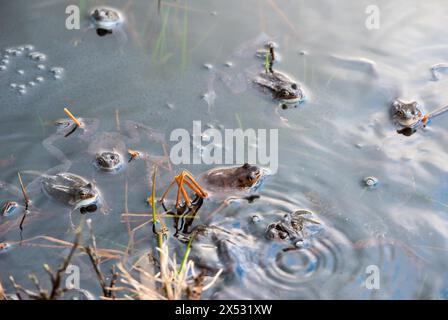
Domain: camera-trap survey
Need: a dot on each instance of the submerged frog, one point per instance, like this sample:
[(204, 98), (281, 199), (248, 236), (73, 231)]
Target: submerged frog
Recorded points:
[(107, 21), (64, 129), (216, 248), (283, 88), (290, 227)]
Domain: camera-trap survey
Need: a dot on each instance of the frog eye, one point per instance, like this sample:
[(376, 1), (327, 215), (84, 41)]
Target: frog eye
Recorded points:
[(285, 93), (112, 157)]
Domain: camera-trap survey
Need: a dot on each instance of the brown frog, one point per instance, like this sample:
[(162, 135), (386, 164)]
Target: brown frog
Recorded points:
[(228, 181)]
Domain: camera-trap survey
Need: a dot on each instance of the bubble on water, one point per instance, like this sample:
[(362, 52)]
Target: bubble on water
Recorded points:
[(256, 218), (57, 72), (6, 56), (37, 56), (13, 85), (370, 182), (21, 86), (208, 66), (32, 83), (2, 68), (40, 66), (170, 106), (4, 61), (16, 53), (29, 47), (22, 91), (229, 64), (21, 72), (39, 79)]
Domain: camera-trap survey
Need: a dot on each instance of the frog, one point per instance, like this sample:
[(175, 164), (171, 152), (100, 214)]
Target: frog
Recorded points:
[(220, 186), (290, 227), (11, 205), (406, 114), (9, 208), (217, 247), (71, 189), (64, 129), (284, 89), (108, 151), (233, 181), (109, 161), (107, 20)]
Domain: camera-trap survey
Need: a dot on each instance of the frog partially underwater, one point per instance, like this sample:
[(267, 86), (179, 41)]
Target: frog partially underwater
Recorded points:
[(66, 128), (283, 88), (107, 151), (215, 248), (71, 189), (106, 20), (237, 181), (290, 227), (222, 186), (408, 116)]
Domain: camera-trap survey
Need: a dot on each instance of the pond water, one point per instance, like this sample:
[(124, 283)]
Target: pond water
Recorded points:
[(152, 72)]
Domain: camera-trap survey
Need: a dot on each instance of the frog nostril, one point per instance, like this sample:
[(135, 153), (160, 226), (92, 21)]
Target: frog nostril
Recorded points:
[(294, 86)]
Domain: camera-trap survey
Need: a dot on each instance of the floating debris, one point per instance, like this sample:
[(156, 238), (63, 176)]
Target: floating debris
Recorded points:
[(5, 247)]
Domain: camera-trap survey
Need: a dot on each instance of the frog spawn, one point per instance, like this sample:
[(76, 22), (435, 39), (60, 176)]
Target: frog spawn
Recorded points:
[(25, 68)]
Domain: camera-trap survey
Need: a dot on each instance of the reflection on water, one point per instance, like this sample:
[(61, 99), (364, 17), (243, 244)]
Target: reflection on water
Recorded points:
[(152, 73)]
